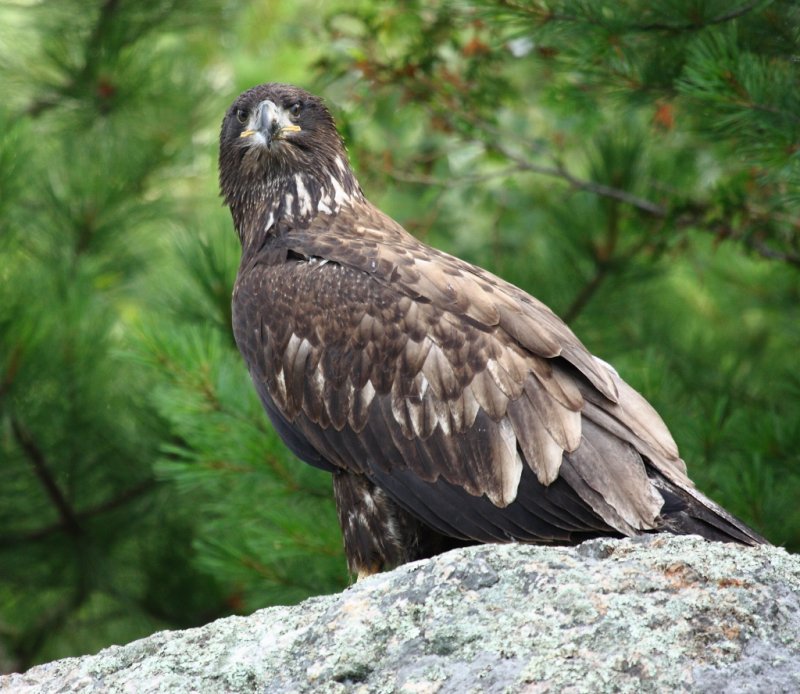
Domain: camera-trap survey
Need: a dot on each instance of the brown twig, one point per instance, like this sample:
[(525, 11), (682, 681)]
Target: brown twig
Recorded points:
[(692, 216), (584, 296), (600, 189)]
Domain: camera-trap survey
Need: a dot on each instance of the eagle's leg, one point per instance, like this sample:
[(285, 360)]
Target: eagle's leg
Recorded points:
[(378, 534)]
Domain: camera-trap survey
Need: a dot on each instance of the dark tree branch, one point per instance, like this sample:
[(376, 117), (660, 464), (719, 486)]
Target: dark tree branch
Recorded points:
[(735, 13), (748, 240), (689, 215), (112, 504), (69, 520), (584, 296), (495, 140), (604, 259), (455, 182), (770, 253), (521, 164)]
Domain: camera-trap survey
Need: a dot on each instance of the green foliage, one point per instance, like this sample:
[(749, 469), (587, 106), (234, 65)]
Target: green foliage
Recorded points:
[(140, 486), (264, 514), (632, 164), (100, 105)]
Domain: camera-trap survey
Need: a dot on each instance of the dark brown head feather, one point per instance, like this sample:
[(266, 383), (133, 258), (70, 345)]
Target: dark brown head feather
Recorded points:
[(297, 176)]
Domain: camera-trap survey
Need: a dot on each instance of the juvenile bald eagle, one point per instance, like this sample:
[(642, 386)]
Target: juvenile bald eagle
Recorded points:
[(450, 407)]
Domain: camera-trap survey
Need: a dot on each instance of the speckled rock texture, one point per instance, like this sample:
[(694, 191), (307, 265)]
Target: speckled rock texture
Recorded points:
[(663, 614)]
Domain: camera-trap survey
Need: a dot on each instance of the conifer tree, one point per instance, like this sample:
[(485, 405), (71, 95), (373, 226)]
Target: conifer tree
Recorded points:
[(100, 105)]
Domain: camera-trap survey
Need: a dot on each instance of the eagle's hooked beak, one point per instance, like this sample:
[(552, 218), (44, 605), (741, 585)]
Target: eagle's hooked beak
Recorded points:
[(269, 122)]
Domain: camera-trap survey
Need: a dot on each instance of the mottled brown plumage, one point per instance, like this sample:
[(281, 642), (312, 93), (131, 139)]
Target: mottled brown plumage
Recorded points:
[(450, 406)]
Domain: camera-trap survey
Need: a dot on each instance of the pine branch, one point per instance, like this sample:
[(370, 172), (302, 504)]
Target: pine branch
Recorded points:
[(545, 16), (728, 16), (494, 141), (112, 504), (599, 189), (91, 58), (454, 182), (521, 164), (692, 214), (584, 296), (696, 218), (108, 15), (724, 230), (773, 110), (97, 37), (69, 520), (766, 252)]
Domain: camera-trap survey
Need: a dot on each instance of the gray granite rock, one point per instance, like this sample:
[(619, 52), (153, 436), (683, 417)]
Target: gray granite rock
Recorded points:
[(662, 614)]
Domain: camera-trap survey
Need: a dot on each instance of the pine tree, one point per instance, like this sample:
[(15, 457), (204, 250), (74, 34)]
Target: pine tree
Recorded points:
[(100, 104)]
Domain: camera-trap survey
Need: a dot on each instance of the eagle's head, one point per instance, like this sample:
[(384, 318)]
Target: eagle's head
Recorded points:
[(281, 157)]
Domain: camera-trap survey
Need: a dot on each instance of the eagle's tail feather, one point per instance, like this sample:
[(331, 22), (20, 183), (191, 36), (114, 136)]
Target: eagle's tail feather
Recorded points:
[(688, 512)]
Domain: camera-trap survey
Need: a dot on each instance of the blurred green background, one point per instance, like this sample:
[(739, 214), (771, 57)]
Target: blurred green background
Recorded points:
[(635, 165)]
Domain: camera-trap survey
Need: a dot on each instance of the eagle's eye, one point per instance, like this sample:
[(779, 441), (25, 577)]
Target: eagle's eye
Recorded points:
[(242, 115), (295, 108)]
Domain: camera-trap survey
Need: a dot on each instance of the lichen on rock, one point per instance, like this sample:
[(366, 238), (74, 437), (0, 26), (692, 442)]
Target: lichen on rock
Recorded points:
[(661, 613)]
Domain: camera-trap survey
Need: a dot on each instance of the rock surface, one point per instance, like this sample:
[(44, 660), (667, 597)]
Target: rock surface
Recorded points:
[(654, 615)]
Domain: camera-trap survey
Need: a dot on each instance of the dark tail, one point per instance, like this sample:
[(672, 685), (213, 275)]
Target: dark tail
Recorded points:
[(688, 512)]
